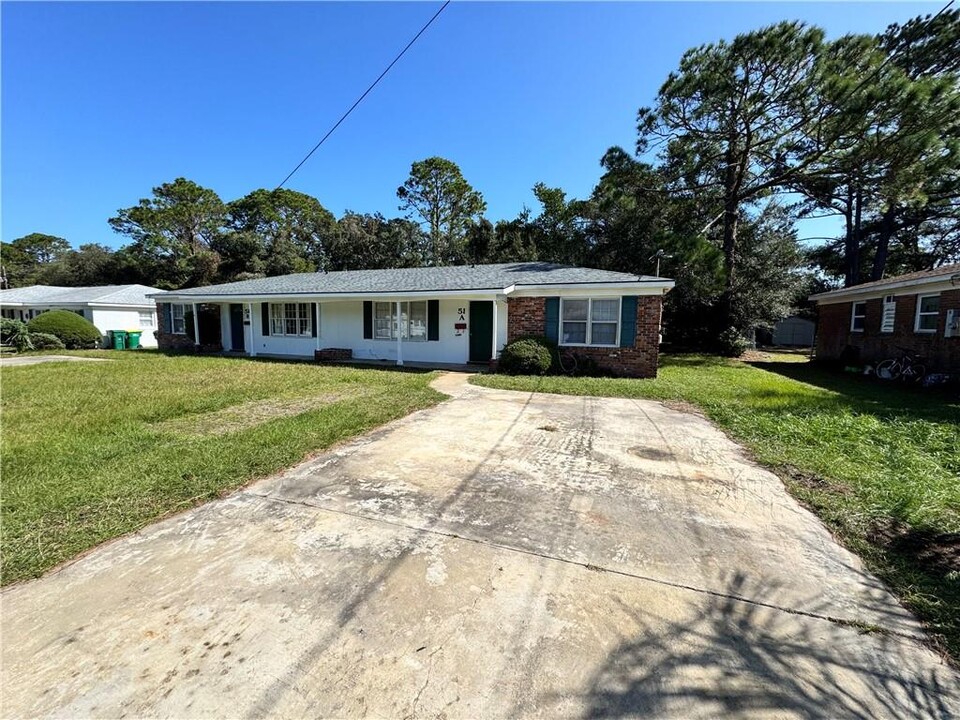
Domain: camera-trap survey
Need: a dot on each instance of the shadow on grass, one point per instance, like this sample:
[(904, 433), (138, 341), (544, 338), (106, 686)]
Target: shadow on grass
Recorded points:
[(865, 395)]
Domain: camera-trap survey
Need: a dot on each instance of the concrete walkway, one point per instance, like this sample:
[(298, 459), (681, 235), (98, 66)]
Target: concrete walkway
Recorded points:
[(500, 555)]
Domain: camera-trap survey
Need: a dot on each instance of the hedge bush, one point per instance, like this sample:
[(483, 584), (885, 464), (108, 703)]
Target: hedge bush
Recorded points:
[(74, 331), (46, 341), (15, 334), (528, 356), (731, 343)]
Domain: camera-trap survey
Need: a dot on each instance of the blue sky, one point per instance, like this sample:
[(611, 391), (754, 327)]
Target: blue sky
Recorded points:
[(103, 101)]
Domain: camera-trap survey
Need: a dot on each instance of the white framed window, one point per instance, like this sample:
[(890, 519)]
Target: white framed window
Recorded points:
[(888, 319), (409, 325), (590, 321), (146, 319), (291, 319), (178, 325), (858, 316), (928, 313)]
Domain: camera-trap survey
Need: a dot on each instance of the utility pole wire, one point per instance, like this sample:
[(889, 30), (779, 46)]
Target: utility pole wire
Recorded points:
[(365, 93)]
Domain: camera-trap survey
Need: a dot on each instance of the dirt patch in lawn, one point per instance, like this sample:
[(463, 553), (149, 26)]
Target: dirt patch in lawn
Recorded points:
[(246, 415), (935, 553), (813, 482)]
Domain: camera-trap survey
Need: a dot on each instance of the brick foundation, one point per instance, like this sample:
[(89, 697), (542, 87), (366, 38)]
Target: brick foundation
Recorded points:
[(941, 354), (333, 354), (527, 316)]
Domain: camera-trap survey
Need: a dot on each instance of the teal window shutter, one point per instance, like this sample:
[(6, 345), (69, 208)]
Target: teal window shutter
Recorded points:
[(433, 320), (628, 321), (552, 319), (265, 319), (316, 320), (367, 319), (166, 317)]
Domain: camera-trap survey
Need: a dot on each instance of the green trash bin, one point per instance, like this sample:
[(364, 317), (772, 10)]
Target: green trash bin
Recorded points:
[(133, 339), (119, 338)]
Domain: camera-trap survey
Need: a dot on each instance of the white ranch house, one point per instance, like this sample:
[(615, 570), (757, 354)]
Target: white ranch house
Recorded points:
[(435, 315), (109, 307)]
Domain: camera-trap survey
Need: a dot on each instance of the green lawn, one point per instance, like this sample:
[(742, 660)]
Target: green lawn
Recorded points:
[(879, 464), (94, 450)]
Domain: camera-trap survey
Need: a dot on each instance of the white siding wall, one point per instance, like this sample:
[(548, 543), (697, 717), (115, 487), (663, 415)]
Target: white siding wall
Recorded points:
[(226, 336), (341, 326), (107, 319)]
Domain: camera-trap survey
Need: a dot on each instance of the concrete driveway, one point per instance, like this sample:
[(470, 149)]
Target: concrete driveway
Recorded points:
[(500, 555)]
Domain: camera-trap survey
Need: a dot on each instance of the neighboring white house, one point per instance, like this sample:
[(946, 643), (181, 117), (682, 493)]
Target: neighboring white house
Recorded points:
[(109, 307)]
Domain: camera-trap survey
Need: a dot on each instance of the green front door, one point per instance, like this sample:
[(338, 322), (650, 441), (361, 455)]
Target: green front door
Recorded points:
[(481, 330)]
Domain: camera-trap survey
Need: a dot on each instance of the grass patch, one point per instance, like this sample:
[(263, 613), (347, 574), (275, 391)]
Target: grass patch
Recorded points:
[(94, 450), (880, 465)]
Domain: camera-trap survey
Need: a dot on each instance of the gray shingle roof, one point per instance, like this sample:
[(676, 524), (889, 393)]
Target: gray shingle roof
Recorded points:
[(426, 279), (102, 294)]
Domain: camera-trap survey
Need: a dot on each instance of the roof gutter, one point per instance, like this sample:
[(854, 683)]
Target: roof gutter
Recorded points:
[(858, 291)]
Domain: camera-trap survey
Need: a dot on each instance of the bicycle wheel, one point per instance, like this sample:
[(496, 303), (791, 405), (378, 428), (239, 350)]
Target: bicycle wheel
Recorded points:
[(889, 369)]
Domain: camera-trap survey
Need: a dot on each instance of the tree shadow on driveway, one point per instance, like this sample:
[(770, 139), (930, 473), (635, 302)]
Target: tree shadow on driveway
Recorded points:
[(736, 658)]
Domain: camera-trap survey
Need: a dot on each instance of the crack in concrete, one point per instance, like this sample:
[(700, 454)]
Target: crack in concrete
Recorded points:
[(859, 625)]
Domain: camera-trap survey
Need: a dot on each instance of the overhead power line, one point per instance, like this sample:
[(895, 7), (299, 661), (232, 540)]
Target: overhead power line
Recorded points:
[(365, 93)]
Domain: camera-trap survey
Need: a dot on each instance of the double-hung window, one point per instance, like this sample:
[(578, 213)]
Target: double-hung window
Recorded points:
[(292, 319), (146, 319), (410, 324), (178, 324), (858, 316), (589, 321), (928, 313)]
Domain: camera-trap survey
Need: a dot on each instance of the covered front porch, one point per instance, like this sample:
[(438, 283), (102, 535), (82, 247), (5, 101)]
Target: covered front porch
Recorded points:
[(401, 330)]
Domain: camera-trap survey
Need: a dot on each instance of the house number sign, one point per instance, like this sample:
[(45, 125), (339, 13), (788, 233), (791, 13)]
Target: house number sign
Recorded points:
[(461, 324)]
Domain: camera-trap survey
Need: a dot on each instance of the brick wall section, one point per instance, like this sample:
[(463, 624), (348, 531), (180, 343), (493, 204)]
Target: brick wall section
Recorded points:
[(940, 353), (333, 354), (170, 341), (527, 316)]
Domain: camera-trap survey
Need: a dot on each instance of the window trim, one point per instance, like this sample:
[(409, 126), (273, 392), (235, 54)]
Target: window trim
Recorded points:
[(149, 314), (283, 319), (173, 318), (394, 321), (918, 315), (854, 316), (590, 321)]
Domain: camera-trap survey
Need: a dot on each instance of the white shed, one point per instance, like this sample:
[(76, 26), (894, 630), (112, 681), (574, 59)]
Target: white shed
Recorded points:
[(795, 331)]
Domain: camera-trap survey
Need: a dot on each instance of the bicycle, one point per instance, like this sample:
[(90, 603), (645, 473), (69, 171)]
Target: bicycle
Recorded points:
[(907, 367)]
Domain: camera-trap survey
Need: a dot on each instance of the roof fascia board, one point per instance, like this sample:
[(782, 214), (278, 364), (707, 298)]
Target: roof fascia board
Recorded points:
[(171, 295), (881, 290), (914, 287), (587, 289)]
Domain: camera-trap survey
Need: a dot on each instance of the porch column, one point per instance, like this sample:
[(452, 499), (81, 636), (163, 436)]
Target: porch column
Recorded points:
[(252, 350), (196, 325), (399, 336), (493, 350)]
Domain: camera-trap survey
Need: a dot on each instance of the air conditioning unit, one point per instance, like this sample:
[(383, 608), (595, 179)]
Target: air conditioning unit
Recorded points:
[(953, 324)]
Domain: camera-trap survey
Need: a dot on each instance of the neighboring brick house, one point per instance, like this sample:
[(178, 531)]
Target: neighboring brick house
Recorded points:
[(436, 315), (919, 311)]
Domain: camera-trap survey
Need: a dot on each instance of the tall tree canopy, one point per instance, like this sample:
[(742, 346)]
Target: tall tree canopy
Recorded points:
[(293, 228), (437, 194), (729, 124), (172, 232)]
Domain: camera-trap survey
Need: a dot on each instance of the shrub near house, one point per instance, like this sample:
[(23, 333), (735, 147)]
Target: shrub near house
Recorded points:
[(74, 331)]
